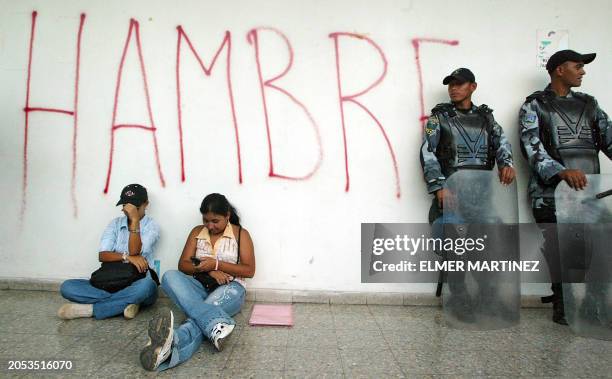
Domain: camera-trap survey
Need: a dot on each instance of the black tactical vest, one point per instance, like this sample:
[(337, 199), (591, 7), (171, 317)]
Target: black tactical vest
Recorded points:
[(465, 139), (567, 129)]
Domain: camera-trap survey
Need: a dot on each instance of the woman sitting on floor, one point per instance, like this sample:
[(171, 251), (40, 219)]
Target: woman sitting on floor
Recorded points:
[(222, 249)]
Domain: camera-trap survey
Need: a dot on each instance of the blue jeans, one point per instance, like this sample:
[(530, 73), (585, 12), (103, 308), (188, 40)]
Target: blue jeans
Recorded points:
[(106, 304), (204, 310)]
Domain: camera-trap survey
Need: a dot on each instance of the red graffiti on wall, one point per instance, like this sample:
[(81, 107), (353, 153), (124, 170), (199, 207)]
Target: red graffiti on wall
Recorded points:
[(227, 43), (253, 38), (134, 28), (352, 98), (73, 113), (416, 44)]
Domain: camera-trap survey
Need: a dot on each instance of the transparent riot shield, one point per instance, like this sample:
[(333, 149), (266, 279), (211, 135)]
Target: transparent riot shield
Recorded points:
[(584, 229), (481, 288)]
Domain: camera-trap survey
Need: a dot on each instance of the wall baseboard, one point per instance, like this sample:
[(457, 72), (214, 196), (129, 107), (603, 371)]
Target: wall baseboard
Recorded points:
[(293, 296)]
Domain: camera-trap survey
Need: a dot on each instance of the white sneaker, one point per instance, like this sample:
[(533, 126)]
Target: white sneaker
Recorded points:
[(159, 347), (219, 333), (70, 311), (131, 311)]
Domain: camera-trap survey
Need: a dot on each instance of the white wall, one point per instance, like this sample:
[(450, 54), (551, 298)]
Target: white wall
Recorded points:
[(306, 232)]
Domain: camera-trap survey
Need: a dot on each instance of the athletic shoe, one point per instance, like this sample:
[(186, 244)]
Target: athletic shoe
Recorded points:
[(70, 311), (219, 333), (159, 347), (131, 311)]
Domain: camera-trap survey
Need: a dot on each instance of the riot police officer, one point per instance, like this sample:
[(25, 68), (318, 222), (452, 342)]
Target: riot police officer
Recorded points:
[(561, 133), (460, 135)]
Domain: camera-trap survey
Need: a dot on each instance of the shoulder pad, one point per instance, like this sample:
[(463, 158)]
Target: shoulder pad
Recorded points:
[(484, 109), (443, 108), (584, 97), (537, 95)]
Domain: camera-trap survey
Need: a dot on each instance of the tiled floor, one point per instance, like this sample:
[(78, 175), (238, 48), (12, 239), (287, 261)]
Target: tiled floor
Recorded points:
[(326, 341)]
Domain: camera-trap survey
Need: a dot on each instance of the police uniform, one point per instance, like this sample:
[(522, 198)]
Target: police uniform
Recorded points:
[(460, 139), (558, 133)]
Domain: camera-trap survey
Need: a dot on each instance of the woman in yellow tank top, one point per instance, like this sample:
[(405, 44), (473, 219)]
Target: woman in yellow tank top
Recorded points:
[(208, 286)]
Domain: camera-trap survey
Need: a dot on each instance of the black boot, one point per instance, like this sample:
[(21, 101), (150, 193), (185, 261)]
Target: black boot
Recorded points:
[(559, 312), (556, 299)]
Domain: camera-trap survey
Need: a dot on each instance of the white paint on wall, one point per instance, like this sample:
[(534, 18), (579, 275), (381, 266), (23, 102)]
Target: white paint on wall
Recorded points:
[(306, 232)]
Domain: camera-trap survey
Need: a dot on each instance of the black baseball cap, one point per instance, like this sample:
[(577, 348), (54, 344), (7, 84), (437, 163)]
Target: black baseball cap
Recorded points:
[(134, 194), (461, 74), (562, 56)]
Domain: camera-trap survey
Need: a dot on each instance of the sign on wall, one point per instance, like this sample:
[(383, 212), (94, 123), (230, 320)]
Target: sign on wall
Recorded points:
[(550, 41)]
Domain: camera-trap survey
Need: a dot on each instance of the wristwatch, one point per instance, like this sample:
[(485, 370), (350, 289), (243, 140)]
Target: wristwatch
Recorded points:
[(125, 256)]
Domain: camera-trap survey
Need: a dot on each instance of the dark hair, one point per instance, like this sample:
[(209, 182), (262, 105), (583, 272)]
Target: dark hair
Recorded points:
[(218, 204)]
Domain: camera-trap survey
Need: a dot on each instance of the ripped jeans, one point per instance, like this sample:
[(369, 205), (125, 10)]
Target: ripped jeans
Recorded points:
[(203, 312)]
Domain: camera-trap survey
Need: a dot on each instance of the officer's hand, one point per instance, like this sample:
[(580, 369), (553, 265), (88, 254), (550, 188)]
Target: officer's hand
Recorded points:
[(445, 198), (574, 178), (139, 262), (506, 175)]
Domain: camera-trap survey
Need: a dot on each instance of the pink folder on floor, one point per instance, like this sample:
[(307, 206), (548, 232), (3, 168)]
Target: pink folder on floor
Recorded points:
[(272, 314)]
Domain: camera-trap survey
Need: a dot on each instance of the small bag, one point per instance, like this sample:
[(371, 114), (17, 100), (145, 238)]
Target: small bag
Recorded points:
[(115, 276), (210, 284)]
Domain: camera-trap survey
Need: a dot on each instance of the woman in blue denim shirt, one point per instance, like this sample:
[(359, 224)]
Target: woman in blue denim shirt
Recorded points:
[(225, 251)]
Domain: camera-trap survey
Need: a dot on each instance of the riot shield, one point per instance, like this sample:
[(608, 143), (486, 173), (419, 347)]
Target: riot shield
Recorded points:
[(584, 227), (481, 287)]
